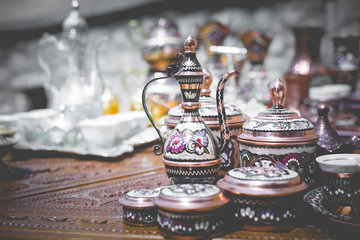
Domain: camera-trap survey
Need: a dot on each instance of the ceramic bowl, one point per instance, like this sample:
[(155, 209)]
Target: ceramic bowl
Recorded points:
[(340, 175), (191, 211), (10, 121), (263, 199), (108, 130), (31, 124)]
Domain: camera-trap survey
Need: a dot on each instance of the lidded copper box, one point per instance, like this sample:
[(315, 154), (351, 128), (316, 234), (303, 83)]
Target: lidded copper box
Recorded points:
[(191, 211), (138, 207), (280, 138), (263, 199)]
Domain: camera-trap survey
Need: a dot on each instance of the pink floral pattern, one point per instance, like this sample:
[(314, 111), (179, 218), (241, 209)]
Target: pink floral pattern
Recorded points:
[(192, 142), (176, 144)]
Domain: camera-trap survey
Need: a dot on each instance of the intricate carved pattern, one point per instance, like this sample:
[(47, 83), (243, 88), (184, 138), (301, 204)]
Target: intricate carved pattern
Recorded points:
[(189, 79), (340, 192), (191, 224), (56, 173), (228, 157), (195, 172), (275, 125), (303, 163), (262, 173), (191, 141), (256, 211), (95, 200), (140, 216), (93, 208), (314, 199), (277, 111), (190, 190)]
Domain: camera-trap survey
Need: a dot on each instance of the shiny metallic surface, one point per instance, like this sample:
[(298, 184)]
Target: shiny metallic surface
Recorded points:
[(261, 188), (188, 204), (192, 164)]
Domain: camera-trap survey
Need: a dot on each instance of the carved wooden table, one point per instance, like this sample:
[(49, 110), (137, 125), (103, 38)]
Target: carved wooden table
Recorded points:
[(67, 197)]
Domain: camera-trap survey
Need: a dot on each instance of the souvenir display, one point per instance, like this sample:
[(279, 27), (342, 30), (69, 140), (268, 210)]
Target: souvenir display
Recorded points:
[(191, 211), (279, 138), (209, 113), (263, 198), (191, 151)]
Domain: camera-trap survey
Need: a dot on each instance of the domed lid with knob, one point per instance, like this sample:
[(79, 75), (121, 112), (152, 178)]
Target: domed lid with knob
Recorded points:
[(277, 125), (262, 182), (74, 24), (208, 110), (191, 198)]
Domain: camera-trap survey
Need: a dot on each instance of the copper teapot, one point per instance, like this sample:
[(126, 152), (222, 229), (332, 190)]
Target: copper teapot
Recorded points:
[(160, 45), (192, 152)]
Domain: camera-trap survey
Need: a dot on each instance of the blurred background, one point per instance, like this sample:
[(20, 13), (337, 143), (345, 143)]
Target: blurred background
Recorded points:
[(121, 58)]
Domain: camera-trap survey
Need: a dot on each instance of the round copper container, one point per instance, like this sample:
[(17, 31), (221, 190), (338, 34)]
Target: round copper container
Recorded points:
[(279, 138), (264, 199), (209, 113), (191, 211), (138, 207)]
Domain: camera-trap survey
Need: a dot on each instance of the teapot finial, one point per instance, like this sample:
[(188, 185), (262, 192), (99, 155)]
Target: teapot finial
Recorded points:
[(74, 23), (277, 91), (208, 78), (190, 44), (75, 4), (323, 109)]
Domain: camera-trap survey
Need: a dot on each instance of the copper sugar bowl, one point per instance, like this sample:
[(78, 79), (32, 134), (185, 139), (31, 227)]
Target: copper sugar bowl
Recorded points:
[(192, 211), (138, 207), (280, 138), (263, 198), (230, 158)]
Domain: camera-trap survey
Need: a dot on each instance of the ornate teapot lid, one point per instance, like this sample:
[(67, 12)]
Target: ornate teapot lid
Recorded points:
[(140, 198), (164, 32), (191, 197), (74, 23), (262, 181), (277, 125), (208, 110)]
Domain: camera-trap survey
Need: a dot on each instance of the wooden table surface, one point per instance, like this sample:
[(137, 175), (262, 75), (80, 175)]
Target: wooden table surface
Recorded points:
[(72, 197)]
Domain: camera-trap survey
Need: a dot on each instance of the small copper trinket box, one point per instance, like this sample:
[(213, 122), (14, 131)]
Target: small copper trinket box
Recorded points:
[(264, 198), (138, 207), (191, 211)]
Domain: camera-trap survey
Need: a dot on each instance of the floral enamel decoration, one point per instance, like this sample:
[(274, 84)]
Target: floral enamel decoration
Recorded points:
[(198, 143), (176, 144), (261, 171), (192, 142)]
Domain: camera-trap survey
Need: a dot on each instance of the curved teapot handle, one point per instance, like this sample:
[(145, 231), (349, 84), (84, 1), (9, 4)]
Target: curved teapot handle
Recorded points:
[(171, 69), (134, 31), (224, 127), (156, 147)]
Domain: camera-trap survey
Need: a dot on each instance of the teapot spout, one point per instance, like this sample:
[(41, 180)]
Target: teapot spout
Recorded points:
[(224, 127)]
